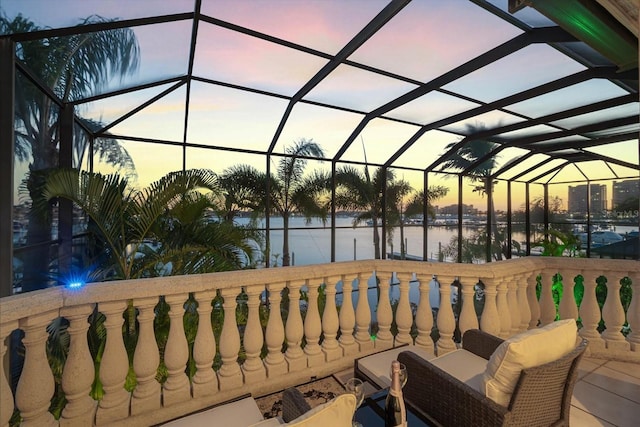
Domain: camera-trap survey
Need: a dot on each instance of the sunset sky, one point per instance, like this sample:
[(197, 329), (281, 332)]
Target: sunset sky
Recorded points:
[(425, 40)]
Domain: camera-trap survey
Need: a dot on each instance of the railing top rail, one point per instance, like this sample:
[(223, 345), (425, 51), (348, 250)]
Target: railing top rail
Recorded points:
[(15, 307)]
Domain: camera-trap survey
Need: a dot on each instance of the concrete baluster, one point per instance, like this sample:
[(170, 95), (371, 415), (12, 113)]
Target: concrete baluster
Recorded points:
[(253, 367), (547, 306), (330, 323), (490, 321), (568, 308), (230, 375), (446, 321), (204, 381), (523, 303), (363, 317), (633, 312), (347, 319), (79, 371), (147, 394), (313, 328), (275, 362), (424, 316), (532, 298), (36, 384), (512, 301), (6, 396), (294, 330), (613, 315), (404, 316), (384, 339), (176, 388), (114, 366), (468, 318), (590, 313), (502, 304)]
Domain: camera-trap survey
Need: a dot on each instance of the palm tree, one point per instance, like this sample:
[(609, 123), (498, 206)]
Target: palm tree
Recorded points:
[(396, 195), (193, 242), (467, 156), (170, 211), (290, 191), (73, 67), (357, 191), (415, 206)]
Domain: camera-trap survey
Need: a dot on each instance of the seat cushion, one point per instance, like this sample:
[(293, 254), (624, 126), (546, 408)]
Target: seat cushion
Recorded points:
[(239, 413), (525, 350), (463, 365), (377, 367), (336, 412)]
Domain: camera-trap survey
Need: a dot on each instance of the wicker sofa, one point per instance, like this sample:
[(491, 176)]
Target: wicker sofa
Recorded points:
[(541, 397)]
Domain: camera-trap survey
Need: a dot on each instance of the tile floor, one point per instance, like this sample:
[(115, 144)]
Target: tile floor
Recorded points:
[(607, 394)]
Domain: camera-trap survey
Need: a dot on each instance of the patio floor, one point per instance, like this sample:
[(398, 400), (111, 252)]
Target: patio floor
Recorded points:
[(607, 394)]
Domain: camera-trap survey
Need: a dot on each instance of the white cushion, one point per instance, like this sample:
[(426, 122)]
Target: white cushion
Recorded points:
[(336, 412), (525, 350), (463, 365), (378, 366), (240, 413)]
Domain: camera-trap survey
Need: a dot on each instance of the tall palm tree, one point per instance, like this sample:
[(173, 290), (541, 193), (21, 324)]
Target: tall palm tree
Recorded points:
[(357, 191), (415, 204), (73, 67), (396, 195), (290, 190), (469, 154)]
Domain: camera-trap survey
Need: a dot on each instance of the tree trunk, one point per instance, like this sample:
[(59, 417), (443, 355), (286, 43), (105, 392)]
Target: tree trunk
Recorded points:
[(376, 238), (285, 241)]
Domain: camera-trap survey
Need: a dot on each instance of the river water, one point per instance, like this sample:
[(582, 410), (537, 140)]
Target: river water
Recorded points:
[(311, 243)]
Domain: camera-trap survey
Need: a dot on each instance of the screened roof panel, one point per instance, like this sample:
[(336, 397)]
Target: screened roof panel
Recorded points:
[(570, 173), (544, 170), (310, 122), (626, 151), (268, 73), (505, 156), (350, 87), (570, 97), (235, 58), (624, 172), (394, 47), (225, 117), (381, 139), (631, 128), (163, 120), (430, 107), (492, 119), (106, 110), (322, 25), (527, 68), (606, 114), (67, 13), (427, 149), (532, 130), (520, 165)]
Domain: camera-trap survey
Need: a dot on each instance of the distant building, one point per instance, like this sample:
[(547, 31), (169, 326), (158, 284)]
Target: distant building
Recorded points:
[(578, 198), (623, 190), (453, 210)]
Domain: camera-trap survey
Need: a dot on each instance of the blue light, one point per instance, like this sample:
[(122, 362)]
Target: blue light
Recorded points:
[(75, 285)]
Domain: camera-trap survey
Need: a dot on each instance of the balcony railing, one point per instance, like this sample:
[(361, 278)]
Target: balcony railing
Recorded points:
[(242, 336)]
